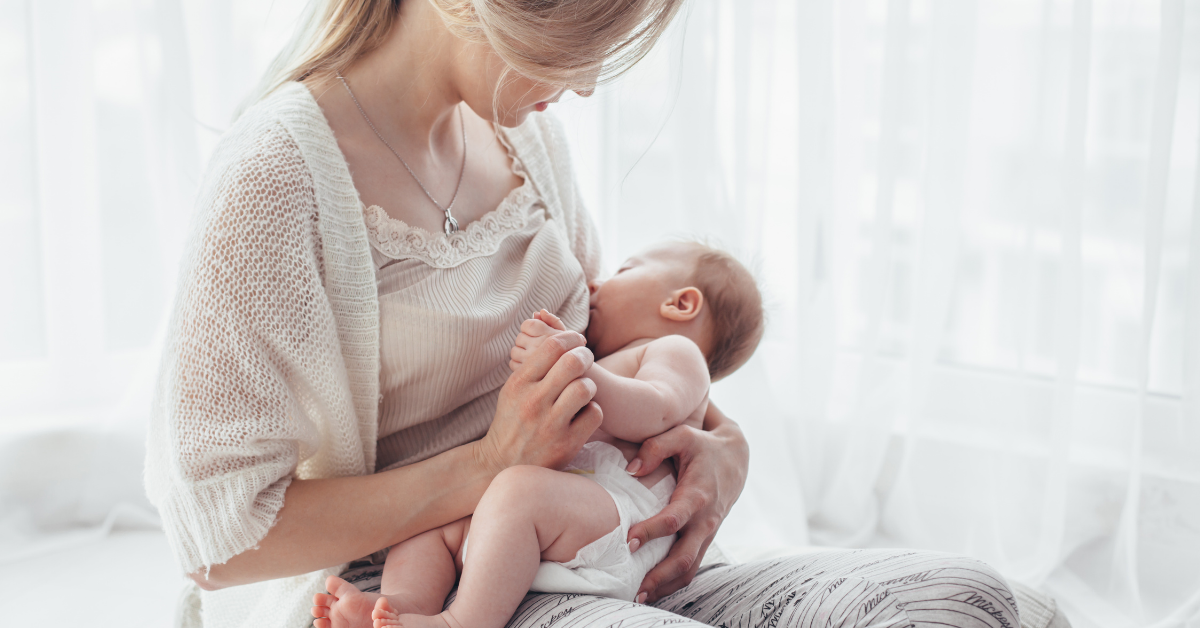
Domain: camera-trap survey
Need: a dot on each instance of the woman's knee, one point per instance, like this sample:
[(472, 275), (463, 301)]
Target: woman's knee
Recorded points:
[(873, 585), (971, 585)]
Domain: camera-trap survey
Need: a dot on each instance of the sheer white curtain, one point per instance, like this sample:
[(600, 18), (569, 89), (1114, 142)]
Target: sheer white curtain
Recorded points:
[(110, 109), (976, 223), (979, 231)]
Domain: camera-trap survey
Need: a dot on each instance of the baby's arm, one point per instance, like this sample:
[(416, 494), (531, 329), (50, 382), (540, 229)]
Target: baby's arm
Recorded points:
[(671, 383)]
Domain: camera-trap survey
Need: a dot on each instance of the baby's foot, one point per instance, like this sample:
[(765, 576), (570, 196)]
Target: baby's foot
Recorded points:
[(385, 615), (343, 607)]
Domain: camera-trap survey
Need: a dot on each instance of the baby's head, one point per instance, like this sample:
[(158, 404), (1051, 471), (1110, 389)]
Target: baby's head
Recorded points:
[(683, 288)]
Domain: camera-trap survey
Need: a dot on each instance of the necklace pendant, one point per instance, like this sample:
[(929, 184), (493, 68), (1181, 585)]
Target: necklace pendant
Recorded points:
[(451, 225)]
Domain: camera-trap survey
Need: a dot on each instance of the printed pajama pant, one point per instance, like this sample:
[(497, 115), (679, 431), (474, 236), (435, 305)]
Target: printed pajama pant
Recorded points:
[(828, 589)]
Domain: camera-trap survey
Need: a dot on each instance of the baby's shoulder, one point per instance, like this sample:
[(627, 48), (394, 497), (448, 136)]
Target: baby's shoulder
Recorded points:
[(676, 344), (679, 352)]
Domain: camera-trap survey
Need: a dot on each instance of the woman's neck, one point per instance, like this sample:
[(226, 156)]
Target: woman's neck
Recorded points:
[(408, 84)]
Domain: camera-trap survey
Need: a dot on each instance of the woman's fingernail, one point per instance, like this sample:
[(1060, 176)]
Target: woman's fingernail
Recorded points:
[(634, 545), (634, 466), (584, 355), (641, 598)]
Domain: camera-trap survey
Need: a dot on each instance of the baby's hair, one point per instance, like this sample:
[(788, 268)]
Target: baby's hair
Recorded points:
[(735, 308)]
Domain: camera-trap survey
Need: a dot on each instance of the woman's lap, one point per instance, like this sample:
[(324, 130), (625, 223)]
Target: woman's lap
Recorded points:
[(848, 588), (557, 610), (859, 588)]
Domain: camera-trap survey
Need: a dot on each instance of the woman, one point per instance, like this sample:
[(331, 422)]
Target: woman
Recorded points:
[(370, 235)]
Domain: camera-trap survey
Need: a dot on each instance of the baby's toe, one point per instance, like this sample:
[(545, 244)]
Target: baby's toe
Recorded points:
[(339, 588), (383, 610)]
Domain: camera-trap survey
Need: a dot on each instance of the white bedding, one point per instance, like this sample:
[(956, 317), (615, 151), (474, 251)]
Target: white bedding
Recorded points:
[(126, 580)]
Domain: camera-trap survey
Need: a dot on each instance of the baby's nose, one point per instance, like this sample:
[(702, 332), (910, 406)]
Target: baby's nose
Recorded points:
[(593, 286)]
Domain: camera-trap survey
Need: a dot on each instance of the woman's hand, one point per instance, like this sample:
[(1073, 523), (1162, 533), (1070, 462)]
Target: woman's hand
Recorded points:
[(534, 331), (712, 467), (545, 412)]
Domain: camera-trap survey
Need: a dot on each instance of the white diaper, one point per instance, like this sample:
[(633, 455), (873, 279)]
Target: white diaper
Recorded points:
[(605, 566)]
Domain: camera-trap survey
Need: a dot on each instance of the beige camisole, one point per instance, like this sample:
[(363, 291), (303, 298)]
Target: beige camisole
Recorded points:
[(450, 308)]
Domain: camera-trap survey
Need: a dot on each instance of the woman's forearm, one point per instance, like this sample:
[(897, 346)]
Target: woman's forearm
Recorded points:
[(333, 521), (715, 419)]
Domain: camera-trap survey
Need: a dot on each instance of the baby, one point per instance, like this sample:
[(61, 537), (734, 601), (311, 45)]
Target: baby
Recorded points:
[(671, 320)]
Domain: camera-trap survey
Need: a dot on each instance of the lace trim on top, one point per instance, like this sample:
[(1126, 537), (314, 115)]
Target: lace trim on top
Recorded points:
[(398, 240)]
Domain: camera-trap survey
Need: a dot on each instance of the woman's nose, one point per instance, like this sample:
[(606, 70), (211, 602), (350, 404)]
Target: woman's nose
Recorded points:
[(588, 85)]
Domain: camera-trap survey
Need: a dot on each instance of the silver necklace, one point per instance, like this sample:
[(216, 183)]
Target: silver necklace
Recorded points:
[(450, 225)]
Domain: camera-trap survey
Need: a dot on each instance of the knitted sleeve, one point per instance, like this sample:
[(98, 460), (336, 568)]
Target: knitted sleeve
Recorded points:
[(586, 243), (251, 360), (585, 238)]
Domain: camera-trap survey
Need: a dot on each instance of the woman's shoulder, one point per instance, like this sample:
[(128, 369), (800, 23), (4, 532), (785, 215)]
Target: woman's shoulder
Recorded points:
[(273, 129), (259, 182), (541, 143), (280, 146), (545, 133)]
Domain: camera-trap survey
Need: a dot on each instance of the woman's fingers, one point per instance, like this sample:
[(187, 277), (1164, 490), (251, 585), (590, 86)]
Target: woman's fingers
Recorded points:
[(653, 451), (585, 422), (712, 470), (668, 521), (655, 588), (546, 357), (570, 366), (573, 398)]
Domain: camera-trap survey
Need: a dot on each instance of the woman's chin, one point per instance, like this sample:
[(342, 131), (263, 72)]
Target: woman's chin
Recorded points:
[(517, 118), (513, 120)]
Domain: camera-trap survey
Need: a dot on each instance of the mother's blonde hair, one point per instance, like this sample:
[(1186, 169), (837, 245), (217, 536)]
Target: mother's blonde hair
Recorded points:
[(571, 43)]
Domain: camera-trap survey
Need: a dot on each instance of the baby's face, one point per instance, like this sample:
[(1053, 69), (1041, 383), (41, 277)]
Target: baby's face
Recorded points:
[(626, 307)]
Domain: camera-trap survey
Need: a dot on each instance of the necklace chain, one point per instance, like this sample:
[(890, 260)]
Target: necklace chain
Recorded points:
[(450, 225)]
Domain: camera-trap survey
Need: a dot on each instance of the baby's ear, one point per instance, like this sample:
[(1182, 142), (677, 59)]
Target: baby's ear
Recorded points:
[(684, 305)]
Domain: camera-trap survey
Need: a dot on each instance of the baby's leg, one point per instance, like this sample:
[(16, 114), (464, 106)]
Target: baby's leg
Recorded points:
[(527, 515), (417, 577), (420, 572)]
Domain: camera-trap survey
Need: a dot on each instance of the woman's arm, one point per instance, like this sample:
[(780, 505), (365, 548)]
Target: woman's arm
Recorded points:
[(333, 521), (253, 384), (712, 471), (544, 415)]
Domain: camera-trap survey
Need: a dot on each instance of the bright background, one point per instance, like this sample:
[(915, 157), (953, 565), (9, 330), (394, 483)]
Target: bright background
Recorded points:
[(976, 222)]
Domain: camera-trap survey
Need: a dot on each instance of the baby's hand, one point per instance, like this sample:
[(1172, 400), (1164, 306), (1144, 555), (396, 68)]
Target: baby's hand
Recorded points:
[(534, 332)]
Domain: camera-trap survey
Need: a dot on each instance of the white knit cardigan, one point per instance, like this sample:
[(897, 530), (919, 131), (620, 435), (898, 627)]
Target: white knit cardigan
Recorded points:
[(271, 366)]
